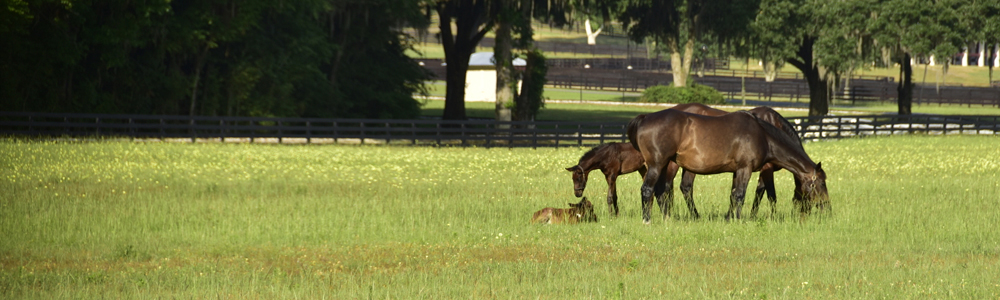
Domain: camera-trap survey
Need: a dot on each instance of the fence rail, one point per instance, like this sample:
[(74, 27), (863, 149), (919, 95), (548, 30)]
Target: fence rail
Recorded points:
[(310, 130), (485, 133)]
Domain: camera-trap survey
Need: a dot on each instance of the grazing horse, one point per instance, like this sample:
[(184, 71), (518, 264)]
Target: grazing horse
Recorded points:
[(765, 182), (578, 212), (612, 159), (737, 143)]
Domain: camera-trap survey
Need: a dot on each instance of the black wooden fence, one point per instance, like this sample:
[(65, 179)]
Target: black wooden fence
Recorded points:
[(485, 133)]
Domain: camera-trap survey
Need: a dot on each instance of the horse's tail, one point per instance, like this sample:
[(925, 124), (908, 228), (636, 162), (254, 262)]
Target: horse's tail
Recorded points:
[(632, 128)]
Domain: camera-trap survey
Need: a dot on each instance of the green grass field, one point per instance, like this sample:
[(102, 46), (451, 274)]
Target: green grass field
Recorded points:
[(913, 217)]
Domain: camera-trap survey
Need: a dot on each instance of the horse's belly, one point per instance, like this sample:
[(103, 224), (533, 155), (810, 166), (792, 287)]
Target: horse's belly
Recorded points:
[(704, 167)]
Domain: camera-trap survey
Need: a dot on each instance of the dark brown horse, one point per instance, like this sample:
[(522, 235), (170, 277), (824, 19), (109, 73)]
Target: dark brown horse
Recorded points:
[(612, 159), (737, 143), (765, 182)]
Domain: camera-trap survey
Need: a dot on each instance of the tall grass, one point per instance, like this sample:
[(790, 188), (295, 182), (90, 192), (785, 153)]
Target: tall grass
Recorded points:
[(913, 217)]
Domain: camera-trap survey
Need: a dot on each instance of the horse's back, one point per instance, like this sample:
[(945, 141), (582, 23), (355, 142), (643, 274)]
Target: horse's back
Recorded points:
[(549, 215), (772, 117), (700, 109), (542, 216), (703, 144), (630, 158)]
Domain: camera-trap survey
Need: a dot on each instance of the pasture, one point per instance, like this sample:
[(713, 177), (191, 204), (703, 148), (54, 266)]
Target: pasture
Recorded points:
[(913, 217)]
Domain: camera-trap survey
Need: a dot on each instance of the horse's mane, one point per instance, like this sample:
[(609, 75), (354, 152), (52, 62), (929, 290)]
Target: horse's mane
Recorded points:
[(770, 114), (781, 136), (602, 150)]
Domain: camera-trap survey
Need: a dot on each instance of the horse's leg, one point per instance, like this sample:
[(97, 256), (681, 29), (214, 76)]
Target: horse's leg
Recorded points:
[(765, 183), (664, 187), (612, 178), (687, 188), (740, 179), (771, 195), (648, 183), (668, 193)]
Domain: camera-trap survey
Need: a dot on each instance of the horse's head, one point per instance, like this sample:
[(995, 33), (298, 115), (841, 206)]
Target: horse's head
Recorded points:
[(585, 210), (813, 188), (579, 179)]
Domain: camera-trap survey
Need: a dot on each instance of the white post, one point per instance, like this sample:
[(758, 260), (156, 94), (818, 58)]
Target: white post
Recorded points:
[(932, 60), (982, 54), (965, 56)]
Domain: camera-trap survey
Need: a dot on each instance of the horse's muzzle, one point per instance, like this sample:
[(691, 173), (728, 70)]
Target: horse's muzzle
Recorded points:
[(579, 192)]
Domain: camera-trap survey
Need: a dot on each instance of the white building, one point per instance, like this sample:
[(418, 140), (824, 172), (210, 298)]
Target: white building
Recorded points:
[(481, 79)]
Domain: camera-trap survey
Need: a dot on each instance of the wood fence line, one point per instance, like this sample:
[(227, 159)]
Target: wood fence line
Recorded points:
[(484, 133)]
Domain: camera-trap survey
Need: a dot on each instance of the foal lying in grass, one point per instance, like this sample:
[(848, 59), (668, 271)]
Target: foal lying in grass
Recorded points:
[(578, 212)]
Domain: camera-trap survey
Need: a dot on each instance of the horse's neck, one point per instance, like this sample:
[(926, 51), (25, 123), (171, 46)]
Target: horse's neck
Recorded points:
[(791, 157), (593, 163)]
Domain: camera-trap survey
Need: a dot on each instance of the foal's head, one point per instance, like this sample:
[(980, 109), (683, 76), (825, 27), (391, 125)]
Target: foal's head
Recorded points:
[(584, 210), (813, 188), (579, 179)]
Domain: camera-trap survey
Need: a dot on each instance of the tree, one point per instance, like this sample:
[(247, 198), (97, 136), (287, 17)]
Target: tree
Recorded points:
[(681, 24), (321, 58), (471, 21), (909, 28), (825, 40), (983, 18)]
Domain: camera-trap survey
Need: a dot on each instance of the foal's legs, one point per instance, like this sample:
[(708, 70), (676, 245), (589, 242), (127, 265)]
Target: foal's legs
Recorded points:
[(740, 179), (687, 188), (665, 186), (668, 193), (765, 183), (612, 178)]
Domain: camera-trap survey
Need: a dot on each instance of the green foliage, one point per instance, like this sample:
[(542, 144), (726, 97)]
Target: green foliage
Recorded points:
[(531, 98), (695, 93), (213, 57)]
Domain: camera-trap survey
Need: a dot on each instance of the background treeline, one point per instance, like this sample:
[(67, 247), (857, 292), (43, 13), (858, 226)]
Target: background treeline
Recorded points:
[(310, 58)]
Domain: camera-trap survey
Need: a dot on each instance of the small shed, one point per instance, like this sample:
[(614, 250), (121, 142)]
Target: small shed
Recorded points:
[(481, 78)]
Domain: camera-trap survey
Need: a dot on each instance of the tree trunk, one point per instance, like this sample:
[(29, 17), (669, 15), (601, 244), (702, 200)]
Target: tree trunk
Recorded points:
[(905, 87), (199, 64), (505, 70), (591, 34), (676, 64), (471, 25), (818, 97), (454, 100)]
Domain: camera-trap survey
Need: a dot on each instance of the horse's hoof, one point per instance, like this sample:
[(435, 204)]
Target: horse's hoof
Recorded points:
[(645, 222)]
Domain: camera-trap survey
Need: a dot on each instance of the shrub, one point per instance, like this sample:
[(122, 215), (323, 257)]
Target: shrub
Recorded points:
[(695, 93)]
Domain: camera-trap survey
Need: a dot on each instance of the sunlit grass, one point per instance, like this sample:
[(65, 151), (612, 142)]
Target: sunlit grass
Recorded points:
[(911, 218)]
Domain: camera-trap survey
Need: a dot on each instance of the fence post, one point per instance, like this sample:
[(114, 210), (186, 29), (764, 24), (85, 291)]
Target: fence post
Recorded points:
[(579, 135), (556, 132), (308, 132), (602, 134), (194, 134)]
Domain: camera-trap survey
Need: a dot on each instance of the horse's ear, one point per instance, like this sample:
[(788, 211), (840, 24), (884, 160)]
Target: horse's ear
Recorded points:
[(819, 166), (571, 169)]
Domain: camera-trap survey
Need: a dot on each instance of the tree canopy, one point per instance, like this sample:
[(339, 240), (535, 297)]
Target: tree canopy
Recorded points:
[(319, 58)]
